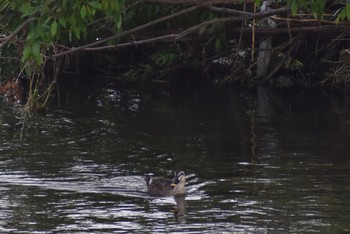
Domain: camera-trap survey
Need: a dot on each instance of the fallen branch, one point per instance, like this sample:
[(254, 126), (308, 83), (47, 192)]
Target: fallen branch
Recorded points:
[(326, 29), (128, 32), (234, 18), (173, 37), (229, 10), (308, 20), (91, 46), (10, 58), (134, 43)]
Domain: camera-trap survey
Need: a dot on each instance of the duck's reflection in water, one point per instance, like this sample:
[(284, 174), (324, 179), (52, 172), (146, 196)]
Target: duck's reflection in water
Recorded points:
[(180, 209)]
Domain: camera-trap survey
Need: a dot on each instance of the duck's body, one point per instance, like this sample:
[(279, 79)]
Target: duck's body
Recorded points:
[(160, 186)]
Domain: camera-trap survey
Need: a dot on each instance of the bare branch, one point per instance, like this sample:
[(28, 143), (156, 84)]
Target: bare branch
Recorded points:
[(12, 35), (90, 46), (128, 32), (228, 10), (184, 33), (134, 43), (234, 18)]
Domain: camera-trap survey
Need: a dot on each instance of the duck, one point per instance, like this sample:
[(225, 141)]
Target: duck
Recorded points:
[(160, 186)]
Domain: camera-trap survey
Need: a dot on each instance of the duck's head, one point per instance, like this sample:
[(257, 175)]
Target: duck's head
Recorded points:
[(179, 179)]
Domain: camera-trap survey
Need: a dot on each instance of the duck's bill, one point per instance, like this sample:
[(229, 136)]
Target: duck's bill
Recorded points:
[(173, 185)]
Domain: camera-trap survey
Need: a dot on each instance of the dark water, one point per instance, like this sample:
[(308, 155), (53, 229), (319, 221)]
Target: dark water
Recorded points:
[(258, 161)]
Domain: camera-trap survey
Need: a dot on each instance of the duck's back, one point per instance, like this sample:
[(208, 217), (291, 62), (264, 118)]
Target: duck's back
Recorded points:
[(158, 186)]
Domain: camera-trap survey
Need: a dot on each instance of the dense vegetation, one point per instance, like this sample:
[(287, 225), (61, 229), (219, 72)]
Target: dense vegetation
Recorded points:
[(142, 39)]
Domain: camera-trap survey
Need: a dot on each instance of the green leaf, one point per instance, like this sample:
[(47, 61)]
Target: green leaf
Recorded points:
[(70, 35), (62, 21), (294, 7), (96, 5), (40, 31), (72, 21), (342, 14), (93, 11), (84, 31), (347, 9), (322, 4), (83, 11), (105, 4), (117, 6), (28, 70), (337, 19), (4, 5), (64, 4), (202, 30), (302, 3), (76, 31), (36, 52), (218, 44), (26, 9), (30, 35), (26, 52), (53, 28), (118, 22)]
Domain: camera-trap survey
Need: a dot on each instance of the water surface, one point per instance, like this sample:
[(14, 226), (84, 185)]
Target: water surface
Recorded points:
[(258, 161)]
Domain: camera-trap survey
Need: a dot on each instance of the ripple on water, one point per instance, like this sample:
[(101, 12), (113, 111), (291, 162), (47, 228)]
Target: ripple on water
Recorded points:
[(80, 171)]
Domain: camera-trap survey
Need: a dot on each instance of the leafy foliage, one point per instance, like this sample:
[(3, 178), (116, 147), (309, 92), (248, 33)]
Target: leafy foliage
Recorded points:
[(72, 23), (51, 27), (56, 21), (344, 13), (41, 27), (316, 7)]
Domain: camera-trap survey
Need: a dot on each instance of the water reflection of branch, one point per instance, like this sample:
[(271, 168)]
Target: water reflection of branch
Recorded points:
[(253, 135), (180, 208)]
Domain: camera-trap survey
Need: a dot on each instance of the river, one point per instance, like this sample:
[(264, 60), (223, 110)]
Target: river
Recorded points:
[(257, 161)]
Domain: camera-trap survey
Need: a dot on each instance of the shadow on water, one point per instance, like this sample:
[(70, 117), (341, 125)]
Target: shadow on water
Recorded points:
[(257, 162)]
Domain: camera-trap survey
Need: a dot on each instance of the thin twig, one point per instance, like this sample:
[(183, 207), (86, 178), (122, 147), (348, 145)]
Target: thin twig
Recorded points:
[(308, 20), (229, 10), (12, 35)]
